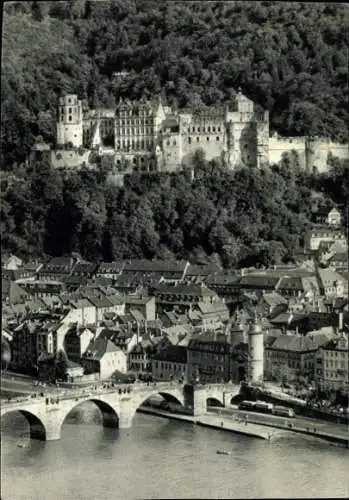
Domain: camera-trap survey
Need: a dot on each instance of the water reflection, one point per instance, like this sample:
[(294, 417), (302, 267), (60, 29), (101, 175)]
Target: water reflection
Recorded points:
[(163, 459)]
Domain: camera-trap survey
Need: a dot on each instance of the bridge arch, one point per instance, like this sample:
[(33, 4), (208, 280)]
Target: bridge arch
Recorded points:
[(110, 415), (214, 401), (169, 396), (37, 428)]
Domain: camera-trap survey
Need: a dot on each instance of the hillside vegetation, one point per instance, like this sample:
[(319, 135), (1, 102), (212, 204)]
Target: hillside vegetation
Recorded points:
[(240, 218), (291, 58)]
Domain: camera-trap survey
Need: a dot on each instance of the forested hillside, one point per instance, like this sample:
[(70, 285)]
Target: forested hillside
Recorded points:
[(240, 218), (289, 57)]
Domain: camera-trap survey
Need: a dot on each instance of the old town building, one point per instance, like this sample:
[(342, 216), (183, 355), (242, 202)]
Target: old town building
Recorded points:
[(209, 358)]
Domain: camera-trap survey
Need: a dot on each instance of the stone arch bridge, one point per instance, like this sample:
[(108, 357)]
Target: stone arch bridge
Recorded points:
[(118, 405)]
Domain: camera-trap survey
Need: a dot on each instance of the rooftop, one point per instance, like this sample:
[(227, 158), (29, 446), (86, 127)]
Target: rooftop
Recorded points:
[(298, 343), (99, 347), (172, 353)]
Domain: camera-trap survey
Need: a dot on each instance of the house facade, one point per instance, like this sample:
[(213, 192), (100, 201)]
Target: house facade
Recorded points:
[(170, 363), (292, 356), (103, 358), (209, 359), (332, 363)]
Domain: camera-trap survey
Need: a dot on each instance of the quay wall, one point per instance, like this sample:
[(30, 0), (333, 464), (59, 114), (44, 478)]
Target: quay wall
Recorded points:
[(211, 422), (318, 434), (253, 429)]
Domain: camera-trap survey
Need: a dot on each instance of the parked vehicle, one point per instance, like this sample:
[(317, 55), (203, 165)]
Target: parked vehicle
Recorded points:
[(247, 405), (282, 411), (263, 407)]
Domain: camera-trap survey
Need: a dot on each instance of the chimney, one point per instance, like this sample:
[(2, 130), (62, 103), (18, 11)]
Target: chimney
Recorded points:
[(340, 322)]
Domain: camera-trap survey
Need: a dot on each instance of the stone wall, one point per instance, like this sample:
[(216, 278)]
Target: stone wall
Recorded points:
[(318, 151), (313, 153), (62, 158), (280, 145)]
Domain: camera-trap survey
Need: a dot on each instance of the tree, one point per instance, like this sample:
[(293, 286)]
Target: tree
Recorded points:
[(61, 365)]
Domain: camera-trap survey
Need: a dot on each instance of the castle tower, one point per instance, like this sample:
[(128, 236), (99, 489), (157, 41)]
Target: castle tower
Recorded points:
[(244, 104), (69, 122), (255, 352)]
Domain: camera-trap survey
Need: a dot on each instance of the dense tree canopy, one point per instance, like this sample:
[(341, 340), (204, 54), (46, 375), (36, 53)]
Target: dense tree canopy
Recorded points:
[(289, 57), (234, 218)]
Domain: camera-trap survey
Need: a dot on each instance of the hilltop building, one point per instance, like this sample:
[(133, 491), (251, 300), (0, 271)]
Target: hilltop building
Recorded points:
[(146, 135)]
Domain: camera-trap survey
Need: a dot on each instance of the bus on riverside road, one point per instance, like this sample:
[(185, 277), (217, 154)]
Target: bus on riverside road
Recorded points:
[(263, 407)]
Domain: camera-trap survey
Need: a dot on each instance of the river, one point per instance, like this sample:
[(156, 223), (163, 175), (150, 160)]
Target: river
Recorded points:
[(159, 458)]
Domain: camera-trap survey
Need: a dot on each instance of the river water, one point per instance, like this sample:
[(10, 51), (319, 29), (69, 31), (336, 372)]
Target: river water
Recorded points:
[(160, 458)]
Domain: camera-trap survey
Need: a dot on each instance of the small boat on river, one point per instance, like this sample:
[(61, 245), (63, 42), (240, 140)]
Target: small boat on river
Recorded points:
[(223, 452)]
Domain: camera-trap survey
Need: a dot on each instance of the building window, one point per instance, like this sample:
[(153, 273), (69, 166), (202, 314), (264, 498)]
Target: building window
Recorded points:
[(207, 138), (213, 129), (69, 118), (189, 140), (217, 138), (198, 139)]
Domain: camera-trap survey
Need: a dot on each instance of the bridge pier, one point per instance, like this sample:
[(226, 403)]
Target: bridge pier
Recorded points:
[(125, 419), (53, 433), (200, 405)]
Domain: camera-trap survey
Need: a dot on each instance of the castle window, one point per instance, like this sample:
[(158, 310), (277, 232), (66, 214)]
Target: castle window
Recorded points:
[(217, 138), (69, 118), (198, 139), (189, 140), (219, 129), (134, 160), (208, 129), (213, 129), (207, 138), (193, 129), (174, 142)]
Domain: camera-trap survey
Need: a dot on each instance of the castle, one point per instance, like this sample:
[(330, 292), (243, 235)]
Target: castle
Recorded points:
[(148, 136)]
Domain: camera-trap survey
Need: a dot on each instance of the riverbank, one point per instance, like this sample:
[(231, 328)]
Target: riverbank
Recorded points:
[(253, 428), (333, 438)]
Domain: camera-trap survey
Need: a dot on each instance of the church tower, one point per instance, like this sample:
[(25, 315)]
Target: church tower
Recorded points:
[(69, 121), (255, 352)]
